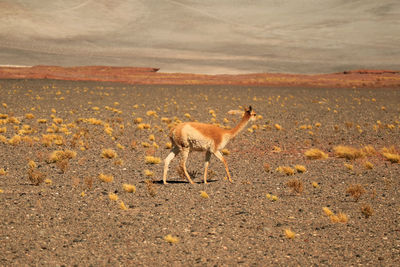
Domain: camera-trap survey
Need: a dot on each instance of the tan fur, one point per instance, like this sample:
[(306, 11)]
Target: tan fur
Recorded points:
[(194, 136)]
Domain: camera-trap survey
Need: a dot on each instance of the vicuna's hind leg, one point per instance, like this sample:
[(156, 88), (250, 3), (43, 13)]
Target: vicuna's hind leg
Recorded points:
[(206, 163), (185, 154), (175, 151), (221, 158)]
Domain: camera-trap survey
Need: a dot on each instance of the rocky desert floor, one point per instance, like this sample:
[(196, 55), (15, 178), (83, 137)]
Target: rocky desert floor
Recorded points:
[(69, 150)]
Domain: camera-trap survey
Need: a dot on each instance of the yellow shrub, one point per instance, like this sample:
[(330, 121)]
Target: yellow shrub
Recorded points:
[(315, 153), (113, 196), (152, 160), (300, 168), (289, 234), (203, 194), (327, 211), (106, 178), (122, 205), (129, 188), (225, 151), (392, 157), (148, 173), (285, 170), (348, 152), (108, 153), (171, 239)]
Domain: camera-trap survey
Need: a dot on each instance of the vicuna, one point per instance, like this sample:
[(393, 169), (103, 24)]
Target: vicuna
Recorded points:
[(194, 136)]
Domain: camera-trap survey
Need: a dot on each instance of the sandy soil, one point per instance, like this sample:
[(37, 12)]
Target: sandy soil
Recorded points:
[(69, 218)]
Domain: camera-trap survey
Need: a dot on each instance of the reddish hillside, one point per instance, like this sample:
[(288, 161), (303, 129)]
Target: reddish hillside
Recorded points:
[(133, 75)]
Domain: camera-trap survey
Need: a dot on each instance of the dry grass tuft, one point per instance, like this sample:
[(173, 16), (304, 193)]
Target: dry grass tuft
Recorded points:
[(130, 188), (151, 189), (342, 217), (348, 152), (108, 130), (349, 166), (49, 139), (3, 139), (106, 178), (368, 165), (113, 196), (327, 211), (62, 165), (300, 168), (148, 173), (88, 182), (369, 150), (120, 146), (266, 167), (59, 155), (168, 145), (152, 160), (391, 150), (108, 153), (142, 126), (15, 140), (171, 239), (367, 210), (276, 149), (272, 197), (315, 153), (225, 152), (285, 170), (203, 194), (137, 120), (32, 164), (356, 191), (392, 157), (334, 218), (35, 176), (315, 184), (133, 144), (123, 206), (151, 113), (289, 234), (295, 185)]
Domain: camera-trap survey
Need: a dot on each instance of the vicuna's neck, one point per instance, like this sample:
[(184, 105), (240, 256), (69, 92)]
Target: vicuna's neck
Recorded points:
[(238, 128)]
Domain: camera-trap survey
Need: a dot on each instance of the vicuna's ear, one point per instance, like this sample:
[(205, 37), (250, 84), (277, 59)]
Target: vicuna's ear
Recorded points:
[(248, 110)]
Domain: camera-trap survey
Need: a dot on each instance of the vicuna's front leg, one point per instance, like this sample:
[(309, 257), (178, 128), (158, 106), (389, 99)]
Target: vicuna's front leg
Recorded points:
[(221, 158)]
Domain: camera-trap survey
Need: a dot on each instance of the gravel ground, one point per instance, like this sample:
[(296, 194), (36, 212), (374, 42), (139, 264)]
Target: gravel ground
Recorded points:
[(69, 218)]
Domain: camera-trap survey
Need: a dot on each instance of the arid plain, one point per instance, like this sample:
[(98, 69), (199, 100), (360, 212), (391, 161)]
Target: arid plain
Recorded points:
[(81, 170)]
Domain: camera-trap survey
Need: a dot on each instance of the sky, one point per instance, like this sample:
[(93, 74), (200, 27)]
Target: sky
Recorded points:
[(208, 36)]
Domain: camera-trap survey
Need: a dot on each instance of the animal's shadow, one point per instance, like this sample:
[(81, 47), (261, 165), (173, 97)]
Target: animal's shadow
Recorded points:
[(193, 175), (182, 182)]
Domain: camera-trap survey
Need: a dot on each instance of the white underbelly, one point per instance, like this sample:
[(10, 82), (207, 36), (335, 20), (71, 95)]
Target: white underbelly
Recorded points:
[(200, 145)]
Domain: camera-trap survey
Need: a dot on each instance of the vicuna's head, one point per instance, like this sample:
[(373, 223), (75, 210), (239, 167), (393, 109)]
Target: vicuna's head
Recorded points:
[(249, 112)]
